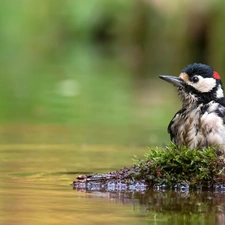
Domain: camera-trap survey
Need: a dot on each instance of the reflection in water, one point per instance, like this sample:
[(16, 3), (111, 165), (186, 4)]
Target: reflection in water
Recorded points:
[(172, 207), (35, 189)]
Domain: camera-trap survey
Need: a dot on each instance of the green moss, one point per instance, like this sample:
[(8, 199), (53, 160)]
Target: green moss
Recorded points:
[(175, 165)]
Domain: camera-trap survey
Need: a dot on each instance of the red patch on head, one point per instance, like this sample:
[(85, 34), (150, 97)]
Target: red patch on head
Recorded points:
[(216, 75)]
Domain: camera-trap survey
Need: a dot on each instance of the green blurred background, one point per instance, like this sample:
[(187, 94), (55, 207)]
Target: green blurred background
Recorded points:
[(86, 71)]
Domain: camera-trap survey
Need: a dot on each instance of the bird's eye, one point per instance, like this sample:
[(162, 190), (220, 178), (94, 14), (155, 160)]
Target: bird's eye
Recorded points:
[(195, 79)]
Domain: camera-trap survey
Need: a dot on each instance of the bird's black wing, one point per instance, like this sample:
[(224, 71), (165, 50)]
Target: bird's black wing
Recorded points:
[(171, 127), (221, 101), (220, 111)]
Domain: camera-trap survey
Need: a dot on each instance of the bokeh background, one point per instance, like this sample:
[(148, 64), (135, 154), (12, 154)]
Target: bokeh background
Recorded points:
[(86, 71)]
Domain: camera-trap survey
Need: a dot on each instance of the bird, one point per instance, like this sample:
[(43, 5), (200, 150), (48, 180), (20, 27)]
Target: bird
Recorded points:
[(200, 123)]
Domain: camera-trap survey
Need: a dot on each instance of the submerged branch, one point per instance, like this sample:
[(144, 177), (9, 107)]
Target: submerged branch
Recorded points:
[(171, 167)]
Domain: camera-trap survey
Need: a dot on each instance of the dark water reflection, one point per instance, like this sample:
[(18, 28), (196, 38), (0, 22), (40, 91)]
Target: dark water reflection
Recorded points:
[(172, 207)]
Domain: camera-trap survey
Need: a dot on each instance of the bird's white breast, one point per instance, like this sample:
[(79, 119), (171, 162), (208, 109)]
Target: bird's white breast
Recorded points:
[(213, 127), (195, 128)]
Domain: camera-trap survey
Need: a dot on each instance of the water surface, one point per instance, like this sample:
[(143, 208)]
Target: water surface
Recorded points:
[(35, 189)]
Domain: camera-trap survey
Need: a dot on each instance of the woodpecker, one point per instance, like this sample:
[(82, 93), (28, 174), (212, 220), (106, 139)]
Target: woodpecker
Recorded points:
[(200, 122)]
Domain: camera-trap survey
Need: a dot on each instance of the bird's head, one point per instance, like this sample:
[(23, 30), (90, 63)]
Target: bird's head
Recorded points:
[(197, 83)]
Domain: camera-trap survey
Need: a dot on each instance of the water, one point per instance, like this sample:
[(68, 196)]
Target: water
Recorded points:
[(35, 189)]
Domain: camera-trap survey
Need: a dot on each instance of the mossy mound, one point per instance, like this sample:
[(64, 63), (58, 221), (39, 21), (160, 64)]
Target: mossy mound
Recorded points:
[(179, 165), (170, 167)]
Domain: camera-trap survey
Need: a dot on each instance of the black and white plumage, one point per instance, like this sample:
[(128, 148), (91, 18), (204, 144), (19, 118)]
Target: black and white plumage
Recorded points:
[(201, 120)]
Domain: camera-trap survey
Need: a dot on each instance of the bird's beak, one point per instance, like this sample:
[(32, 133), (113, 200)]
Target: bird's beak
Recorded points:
[(177, 81)]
